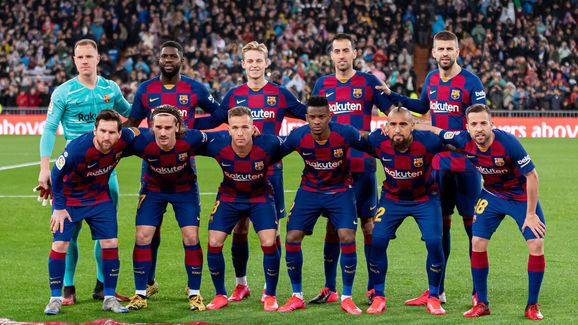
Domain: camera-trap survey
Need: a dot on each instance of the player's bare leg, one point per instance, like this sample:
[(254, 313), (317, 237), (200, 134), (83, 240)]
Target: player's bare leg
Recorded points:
[(348, 268), (240, 257), (270, 266), (216, 263)]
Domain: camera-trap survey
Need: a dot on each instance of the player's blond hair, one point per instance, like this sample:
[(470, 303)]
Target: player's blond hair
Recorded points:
[(170, 110), (254, 46), (239, 111)]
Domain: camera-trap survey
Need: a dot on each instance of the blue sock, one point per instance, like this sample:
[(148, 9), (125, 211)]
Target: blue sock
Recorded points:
[(155, 244), (56, 265), (447, 246), (141, 262), (240, 254), (378, 264), (98, 259), (434, 265), (271, 262), (216, 263), (348, 266), (110, 265), (294, 259), (193, 265), (536, 267), (367, 239), (480, 270), (72, 257), (330, 258)]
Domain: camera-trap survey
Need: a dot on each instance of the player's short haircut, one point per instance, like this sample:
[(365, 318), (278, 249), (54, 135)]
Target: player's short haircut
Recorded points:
[(239, 111), (402, 111), (318, 101), (86, 41), (344, 36), (174, 44), (478, 108), (165, 110), (108, 115), (445, 35), (254, 46)]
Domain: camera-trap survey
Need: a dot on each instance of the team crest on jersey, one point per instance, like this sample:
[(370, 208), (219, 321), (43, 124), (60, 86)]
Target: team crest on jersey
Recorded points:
[(106, 98), (183, 99), (357, 92), (499, 161), (338, 153), (183, 156), (455, 95), (418, 162), (259, 165), (271, 100)]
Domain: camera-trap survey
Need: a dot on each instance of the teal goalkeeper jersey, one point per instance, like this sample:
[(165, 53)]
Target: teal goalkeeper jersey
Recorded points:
[(76, 106)]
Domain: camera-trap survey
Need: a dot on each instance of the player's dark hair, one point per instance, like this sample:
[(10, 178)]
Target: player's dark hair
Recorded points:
[(318, 101), (174, 44), (170, 110), (445, 35), (108, 115), (478, 108), (239, 111), (400, 110), (86, 41), (343, 36)]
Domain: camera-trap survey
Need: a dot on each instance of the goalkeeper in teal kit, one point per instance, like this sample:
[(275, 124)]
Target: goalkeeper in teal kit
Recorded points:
[(75, 104)]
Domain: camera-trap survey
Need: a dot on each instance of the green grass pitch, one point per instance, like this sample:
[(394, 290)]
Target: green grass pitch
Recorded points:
[(25, 243)]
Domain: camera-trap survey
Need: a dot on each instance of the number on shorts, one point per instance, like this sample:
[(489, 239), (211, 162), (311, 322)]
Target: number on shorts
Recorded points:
[(291, 209), (481, 206), (140, 199), (379, 213), (215, 206)]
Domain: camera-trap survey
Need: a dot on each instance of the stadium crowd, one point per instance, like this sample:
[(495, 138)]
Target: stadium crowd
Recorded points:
[(524, 52)]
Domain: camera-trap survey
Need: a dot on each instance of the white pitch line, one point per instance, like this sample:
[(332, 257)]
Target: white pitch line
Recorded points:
[(134, 195), (23, 165)]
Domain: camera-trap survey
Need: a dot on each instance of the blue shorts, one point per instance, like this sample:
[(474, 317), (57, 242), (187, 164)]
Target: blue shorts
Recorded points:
[(391, 214), (152, 206), (277, 182), (308, 206), (491, 210), (101, 218), (365, 187), (225, 215), (459, 190)]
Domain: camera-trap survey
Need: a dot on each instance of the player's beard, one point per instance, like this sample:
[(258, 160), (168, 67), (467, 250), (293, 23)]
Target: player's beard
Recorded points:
[(401, 145), (104, 145), (483, 142), (446, 66), (171, 74)]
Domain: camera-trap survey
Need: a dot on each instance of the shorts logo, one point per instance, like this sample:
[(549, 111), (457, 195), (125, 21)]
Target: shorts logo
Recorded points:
[(271, 100), (455, 94), (357, 92), (259, 165), (418, 162), (183, 156), (499, 161), (338, 153), (60, 162), (183, 99), (106, 98)]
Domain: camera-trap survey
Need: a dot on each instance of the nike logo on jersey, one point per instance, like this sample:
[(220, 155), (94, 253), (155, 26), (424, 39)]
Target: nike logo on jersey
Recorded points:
[(385, 159), (329, 94), (307, 153), (90, 166), (240, 101), (152, 159), (153, 99), (470, 156), (226, 165), (432, 92)]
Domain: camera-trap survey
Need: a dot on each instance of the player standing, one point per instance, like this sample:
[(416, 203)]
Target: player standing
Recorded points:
[(408, 190), (269, 104), (326, 188), (75, 104), (351, 95), (80, 183), (510, 187), (244, 193), (446, 94), (182, 92), (169, 178)]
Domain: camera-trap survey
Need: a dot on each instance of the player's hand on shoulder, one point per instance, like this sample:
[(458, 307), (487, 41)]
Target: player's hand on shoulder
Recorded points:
[(533, 222), (57, 220), (256, 132), (383, 87)]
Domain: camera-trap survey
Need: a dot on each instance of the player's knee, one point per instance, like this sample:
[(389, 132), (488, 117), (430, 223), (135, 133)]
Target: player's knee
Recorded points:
[(60, 246), (330, 228), (346, 235), (479, 244), (293, 236), (367, 226), (142, 238), (536, 246), (215, 242), (109, 243)]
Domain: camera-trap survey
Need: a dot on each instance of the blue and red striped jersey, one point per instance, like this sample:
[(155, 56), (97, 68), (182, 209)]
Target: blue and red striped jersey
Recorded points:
[(185, 95), (502, 166), (168, 171), (408, 175), (351, 103), (326, 164), (447, 101), (81, 173), (244, 177), (268, 105)]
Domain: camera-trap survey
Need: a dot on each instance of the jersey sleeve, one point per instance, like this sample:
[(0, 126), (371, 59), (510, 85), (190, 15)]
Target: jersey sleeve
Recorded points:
[(196, 139), (519, 155), (290, 143), (317, 88), (120, 104), (356, 140), (294, 106), (373, 142), (477, 92), (420, 105), (216, 118), (206, 101), (458, 139), (53, 116), (138, 110), (380, 100), (64, 164)]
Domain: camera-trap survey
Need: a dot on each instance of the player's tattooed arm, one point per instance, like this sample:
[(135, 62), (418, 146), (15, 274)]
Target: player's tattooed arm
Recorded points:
[(420, 120)]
